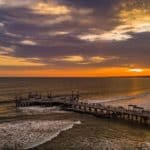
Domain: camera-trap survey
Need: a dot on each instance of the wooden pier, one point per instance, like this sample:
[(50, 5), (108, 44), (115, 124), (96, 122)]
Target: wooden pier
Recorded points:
[(72, 103)]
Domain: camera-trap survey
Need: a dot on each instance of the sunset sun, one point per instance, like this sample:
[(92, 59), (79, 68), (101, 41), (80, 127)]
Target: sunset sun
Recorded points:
[(137, 70)]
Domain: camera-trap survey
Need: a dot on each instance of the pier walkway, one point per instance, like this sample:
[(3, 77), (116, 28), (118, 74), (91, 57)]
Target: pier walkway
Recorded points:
[(72, 103)]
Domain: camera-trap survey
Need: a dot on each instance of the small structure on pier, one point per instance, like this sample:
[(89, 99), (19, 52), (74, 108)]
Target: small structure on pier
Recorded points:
[(135, 108), (131, 107), (139, 109), (34, 95)]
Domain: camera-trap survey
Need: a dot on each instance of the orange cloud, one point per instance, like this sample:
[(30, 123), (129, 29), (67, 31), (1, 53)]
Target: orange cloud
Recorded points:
[(50, 8)]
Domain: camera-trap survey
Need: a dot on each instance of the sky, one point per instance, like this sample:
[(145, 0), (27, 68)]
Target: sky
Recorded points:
[(75, 38)]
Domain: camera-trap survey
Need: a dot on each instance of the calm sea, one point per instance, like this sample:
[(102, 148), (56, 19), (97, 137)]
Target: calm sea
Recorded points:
[(93, 133)]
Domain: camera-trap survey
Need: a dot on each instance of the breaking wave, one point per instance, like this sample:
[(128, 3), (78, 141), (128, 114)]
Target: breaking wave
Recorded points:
[(118, 98), (29, 134), (40, 110)]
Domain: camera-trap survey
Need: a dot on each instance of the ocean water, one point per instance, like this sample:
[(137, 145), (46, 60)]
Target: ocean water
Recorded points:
[(41, 128)]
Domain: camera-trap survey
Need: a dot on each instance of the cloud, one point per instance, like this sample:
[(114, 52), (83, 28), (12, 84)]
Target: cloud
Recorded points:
[(50, 8), (97, 59), (81, 33), (14, 3), (28, 42), (17, 62), (1, 24), (112, 35), (70, 59), (6, 50), (81, 60), (134, 19)]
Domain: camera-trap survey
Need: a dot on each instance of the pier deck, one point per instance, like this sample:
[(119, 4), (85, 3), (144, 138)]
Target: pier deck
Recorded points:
[(72, 103)]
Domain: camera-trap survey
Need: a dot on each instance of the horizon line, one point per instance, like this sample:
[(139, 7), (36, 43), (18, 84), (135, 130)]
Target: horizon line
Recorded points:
[(146, 76)]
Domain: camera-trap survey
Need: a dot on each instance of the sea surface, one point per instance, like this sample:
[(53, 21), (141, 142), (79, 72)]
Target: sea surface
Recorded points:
[(54, 129)]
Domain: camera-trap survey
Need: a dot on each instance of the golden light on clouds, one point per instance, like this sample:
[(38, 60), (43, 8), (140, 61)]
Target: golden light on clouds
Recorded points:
[(74, 58), (84, 60), (21, 62), (133, 19), (50, 8), (97, 59), (137, 19)]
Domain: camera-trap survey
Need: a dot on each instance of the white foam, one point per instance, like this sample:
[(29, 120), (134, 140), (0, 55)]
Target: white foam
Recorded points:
[(40, 110), (117, 98), (28, 134), (145, 145)]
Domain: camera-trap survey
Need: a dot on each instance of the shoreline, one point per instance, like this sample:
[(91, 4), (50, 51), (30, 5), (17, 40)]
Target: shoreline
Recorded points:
[(29, 134), (88, 121), (54, 136)]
